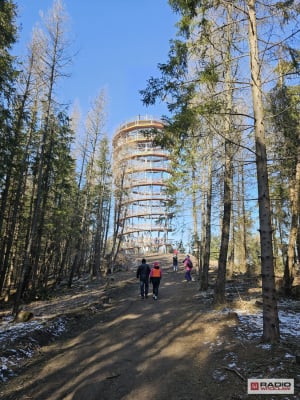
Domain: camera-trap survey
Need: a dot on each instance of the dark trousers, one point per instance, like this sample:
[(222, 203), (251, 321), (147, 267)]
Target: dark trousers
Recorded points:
[(155, 284), (144, 287), (187, 275)]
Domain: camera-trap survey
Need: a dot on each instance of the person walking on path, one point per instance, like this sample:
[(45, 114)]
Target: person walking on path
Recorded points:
[(155, 278), (187, 262), (143, 273), (175, 263)]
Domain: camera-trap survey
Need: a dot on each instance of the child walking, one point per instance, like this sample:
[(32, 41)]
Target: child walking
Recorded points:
[(187, 262), (155, 278), (175, 263)]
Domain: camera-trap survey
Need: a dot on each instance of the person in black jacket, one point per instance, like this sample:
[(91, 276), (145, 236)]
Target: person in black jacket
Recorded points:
[(143, 272), (175, 263)]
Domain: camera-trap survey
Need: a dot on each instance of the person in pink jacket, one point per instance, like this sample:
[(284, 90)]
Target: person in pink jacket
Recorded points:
[(187, 262)]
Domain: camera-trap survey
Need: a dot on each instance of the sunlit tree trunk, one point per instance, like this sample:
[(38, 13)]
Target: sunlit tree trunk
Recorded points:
[(289, 272), (219, 293), (207, 228), (227, 198), (270, 313), (244, 249)]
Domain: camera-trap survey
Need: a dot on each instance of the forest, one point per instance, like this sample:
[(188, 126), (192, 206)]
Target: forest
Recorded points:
[(231, 84)]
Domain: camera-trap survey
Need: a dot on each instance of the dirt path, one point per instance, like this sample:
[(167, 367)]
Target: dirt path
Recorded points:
[(176, 348)]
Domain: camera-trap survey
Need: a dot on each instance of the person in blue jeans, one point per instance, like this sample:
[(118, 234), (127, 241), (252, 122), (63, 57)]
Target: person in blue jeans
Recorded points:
[(143, 273)]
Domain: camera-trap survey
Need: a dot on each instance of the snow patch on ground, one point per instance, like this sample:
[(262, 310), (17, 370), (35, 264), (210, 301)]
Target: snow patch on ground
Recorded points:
[(289, 322), (19, 342)]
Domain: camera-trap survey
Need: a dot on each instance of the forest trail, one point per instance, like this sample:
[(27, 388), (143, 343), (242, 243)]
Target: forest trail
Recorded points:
[(175, 348)]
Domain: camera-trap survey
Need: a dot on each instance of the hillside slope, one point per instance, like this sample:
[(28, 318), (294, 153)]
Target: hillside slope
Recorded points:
[(114, 346)]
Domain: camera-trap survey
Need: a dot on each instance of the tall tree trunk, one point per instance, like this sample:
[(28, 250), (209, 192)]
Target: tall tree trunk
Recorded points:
[(21, 177), (270, 313), (244, 225), (194, 205), (219, 293), (241, 242), (231, 250), (289, 271), (207, 238), (201, 243), (119, 214), (298, 242)]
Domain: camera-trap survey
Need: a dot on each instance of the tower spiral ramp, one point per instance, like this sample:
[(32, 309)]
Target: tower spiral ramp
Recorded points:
[(141, 170)]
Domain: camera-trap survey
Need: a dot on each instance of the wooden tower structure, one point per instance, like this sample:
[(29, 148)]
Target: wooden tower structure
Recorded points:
[(141, 170)]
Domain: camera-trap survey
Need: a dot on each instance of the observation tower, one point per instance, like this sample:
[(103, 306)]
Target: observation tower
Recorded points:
[(141, 170)]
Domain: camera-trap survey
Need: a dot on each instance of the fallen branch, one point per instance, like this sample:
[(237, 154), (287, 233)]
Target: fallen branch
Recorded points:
[(237, 372)]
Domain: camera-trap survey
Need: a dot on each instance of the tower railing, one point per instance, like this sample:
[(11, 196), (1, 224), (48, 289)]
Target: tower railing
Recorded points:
[(146, 170)]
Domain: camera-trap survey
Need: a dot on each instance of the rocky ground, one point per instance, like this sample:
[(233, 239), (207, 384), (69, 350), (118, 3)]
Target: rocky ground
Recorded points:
[(101, 341)]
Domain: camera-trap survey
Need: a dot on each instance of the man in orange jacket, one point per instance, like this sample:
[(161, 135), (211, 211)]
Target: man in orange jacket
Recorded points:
[(155, 277)]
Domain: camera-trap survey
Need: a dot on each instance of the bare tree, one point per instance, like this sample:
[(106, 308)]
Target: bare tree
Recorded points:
[(51, 58)]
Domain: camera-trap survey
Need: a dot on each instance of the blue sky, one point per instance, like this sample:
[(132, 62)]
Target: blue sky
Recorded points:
[(118, 44)]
